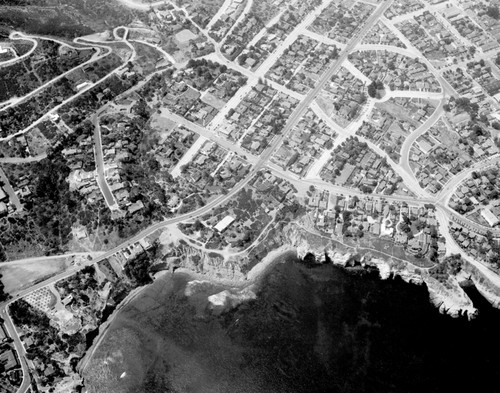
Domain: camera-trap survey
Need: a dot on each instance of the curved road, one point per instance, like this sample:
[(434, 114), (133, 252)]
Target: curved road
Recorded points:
[(443, 213), (99, 162), (18, 36)]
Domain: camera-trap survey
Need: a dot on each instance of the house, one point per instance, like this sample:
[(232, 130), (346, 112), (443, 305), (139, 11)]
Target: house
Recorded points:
[(314, 201), (67, 300), (488, 215), (3, 195), (83, 85), (145, 244), (134, 207), (414, 246), (3, 335), (8, 360), (224, 224), (28, 342), (49, 371), (3, 209)]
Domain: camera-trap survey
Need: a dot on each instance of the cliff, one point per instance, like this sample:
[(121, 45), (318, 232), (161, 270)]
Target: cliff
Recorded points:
[(485, 287), (448, 296)]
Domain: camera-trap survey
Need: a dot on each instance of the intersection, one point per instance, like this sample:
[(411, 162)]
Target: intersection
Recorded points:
[(444, 214)]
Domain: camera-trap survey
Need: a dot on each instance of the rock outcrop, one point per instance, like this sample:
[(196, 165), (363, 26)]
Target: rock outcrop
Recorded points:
[(228, 299), (448, 297)]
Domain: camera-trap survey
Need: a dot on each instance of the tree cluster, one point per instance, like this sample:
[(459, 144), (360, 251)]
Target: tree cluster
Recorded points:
[(137, 269), (374, 87), (450, 266), (493, 12)]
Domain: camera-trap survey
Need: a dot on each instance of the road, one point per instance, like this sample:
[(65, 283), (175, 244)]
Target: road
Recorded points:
[(299, 111), (95, 57), (10, 191), (266, 65), (54, 110), (325, 78), (57, 107), (448, 188), (304, 184), (453, 248), (323, 39), (213, 136), (146, 232), (142, 6), (21, 353), (99, 163), (443, 212), (18, 36), (240, 19), (4, 306), (50, 257), (343, 134), (296, 115), (219, 13), (22, 160), (408, 143)]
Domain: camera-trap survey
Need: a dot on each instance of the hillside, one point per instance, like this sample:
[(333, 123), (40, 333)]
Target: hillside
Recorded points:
[(62, 18)]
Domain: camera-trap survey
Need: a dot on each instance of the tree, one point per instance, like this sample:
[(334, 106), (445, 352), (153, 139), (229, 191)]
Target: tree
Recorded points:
[(372, 89), (493, 12), (242, 59), (137, 269), (198, 226)]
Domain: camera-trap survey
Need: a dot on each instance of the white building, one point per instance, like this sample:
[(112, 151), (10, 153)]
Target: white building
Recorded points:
[(490, 217), (224, 224)]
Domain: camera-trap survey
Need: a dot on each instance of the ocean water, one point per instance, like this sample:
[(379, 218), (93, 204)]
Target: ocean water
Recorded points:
[(321, 329)]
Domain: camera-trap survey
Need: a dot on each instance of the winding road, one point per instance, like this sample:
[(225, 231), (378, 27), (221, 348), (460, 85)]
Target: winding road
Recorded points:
[(443, 212)]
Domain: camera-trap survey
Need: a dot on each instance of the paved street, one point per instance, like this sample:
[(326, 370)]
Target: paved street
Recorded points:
[(10, 191), (99, 163), (443, 213)]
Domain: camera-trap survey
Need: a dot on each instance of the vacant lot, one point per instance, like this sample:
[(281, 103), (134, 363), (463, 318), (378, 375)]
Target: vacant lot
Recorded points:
[(16, 276)]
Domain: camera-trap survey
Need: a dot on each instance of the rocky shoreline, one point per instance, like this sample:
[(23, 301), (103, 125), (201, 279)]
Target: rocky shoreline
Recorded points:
[(449, 296)]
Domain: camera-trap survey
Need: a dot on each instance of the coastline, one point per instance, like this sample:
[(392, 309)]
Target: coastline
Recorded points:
[(260, 269), (449, 302), (273, 258), (104, 327)]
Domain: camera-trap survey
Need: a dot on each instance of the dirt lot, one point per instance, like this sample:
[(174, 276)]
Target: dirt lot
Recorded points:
[(19, 275)]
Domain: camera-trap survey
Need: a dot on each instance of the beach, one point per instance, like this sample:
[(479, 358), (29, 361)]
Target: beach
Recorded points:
[(306, 328)]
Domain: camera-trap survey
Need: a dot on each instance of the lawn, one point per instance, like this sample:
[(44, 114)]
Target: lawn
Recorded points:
[(37, 142), (213, 101), (161, 122), (397, 111), (387, 247), (325, 102)]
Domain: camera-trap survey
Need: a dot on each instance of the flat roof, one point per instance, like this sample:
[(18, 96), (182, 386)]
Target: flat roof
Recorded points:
[(224, 223)]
